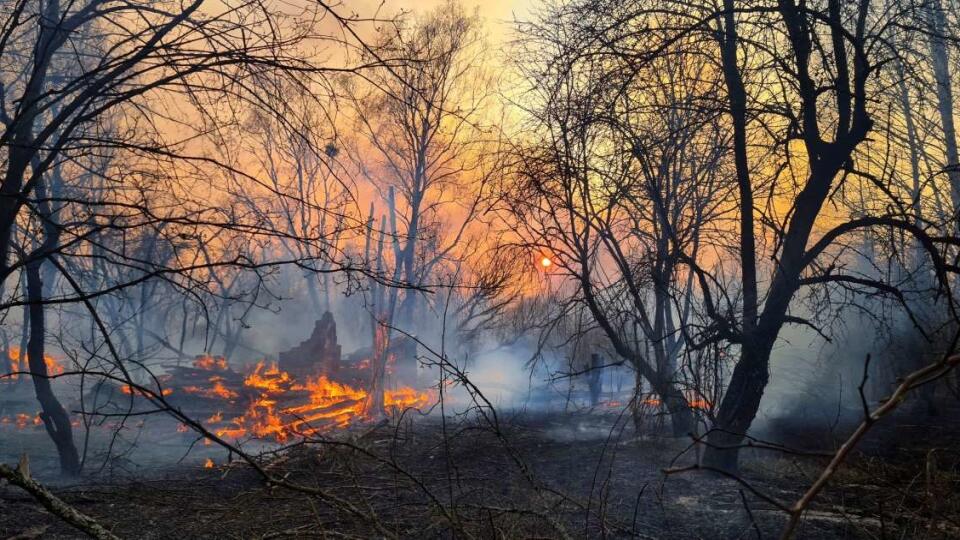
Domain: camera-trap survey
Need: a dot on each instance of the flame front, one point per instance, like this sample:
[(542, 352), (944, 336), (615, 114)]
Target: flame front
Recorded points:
[(19, 363), (308, 409)]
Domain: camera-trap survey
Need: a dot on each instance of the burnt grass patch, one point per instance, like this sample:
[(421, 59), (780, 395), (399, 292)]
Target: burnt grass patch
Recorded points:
[(541, 475)]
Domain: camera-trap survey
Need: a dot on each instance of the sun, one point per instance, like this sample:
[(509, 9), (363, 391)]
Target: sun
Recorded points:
[(545, 262)]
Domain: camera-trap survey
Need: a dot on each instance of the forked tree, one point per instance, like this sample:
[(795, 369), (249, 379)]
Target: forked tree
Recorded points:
[(618, 178), (799, 95)]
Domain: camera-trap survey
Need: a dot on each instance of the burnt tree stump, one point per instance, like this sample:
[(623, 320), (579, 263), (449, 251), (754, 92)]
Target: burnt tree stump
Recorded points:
[(318, 355)]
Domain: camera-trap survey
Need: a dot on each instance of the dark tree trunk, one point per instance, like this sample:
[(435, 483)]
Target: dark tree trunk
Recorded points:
[(24, 336), (738, 408), (54, 417), (682, 420), (635, 408), (596, 379), (374, 407)]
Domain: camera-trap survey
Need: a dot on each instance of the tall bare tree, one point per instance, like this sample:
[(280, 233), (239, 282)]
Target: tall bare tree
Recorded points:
[(423, 143), (623, 179), (799, 96)]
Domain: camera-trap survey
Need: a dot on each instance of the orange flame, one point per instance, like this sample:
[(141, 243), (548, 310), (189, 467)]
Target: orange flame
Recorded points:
[(20, 363), (218, 390), (325, 405), (210, 363), (700, 404), (270, 379), (129, 390)]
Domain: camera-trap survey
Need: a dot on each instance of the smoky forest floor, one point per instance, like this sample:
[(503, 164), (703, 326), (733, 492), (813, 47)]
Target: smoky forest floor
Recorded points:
[(541, 475)]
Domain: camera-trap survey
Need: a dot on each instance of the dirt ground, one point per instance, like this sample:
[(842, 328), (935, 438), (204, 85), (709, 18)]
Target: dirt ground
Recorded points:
[(539, 476)]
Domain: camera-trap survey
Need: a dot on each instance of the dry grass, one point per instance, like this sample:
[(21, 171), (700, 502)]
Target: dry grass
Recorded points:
[(555, 475)]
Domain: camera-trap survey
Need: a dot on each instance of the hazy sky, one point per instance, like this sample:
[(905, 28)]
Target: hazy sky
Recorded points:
[(496, 12)]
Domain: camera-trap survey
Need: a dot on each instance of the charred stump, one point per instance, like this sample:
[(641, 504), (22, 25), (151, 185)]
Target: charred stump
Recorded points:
[(318, 355)]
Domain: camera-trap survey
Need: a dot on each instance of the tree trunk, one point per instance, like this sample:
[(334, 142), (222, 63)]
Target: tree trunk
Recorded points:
[(596, 380), (682, 421), (374, 406), (941, 72), (739, 407), (381, 319), (54, 417), (635, 403), (24, 337)]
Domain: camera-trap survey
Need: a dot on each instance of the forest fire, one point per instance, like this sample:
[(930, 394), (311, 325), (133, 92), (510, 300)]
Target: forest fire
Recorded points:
[(20, 363), (600, 268), (269, 403)]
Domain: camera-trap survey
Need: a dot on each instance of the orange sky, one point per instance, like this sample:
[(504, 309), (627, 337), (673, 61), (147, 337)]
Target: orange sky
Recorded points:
[(498, 13)]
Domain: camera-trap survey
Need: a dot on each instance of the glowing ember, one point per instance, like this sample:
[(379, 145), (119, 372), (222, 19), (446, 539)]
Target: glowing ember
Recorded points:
[(208, 464), (405, 398), (700, 404), (694, 403), (129, 390), (218, 390), (269, 403), (267, 378), (211, 363)]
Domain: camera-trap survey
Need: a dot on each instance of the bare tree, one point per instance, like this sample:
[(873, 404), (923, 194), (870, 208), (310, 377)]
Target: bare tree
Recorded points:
[(799, 95), (626, 183), (111, 112), (423, 144)]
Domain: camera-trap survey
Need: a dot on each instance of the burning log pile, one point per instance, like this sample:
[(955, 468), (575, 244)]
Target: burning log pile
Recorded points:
[(309, 392)]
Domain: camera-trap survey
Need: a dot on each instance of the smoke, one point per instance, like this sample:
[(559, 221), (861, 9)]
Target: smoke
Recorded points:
[(501, 375), (814, 396)]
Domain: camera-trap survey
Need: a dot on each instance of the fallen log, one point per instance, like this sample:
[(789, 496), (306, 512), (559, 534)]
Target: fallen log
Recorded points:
[(20, 477)]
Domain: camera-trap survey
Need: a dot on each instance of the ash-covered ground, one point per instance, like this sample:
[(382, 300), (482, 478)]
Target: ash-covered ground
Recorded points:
[(524, 475)]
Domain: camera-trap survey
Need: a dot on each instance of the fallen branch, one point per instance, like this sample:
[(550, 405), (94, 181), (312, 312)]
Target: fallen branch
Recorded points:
[(918, 378), (21, 477)]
